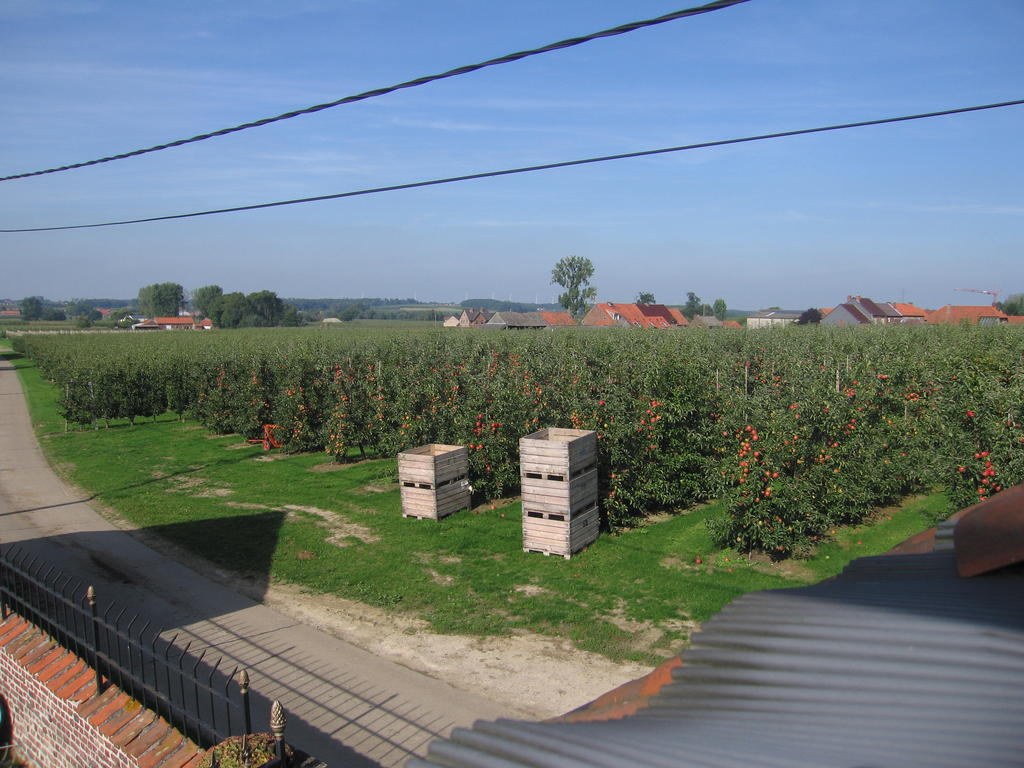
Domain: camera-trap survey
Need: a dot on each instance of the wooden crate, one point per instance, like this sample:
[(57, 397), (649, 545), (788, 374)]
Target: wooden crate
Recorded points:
[(569, 497), (557, 453), (550, 536), (558, 470), (434, 480)]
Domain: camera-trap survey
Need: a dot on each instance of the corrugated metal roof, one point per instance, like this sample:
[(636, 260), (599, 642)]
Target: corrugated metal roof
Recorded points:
[(896, 662)]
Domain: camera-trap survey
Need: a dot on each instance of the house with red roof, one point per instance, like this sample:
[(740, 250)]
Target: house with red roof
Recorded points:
[(983, 315), (557, 318), (678, 316), (909, 312), (633, 316)]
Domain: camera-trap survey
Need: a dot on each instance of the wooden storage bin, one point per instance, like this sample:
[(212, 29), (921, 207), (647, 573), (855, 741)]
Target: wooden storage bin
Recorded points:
[(550, 536), (434, 480), (558, 470), (560, 496), (557, 454)]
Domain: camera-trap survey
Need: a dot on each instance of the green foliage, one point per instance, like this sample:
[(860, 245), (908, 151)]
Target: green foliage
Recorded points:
[(810, 316), (719, 309), (693, 305), (1014, 304), (645, 297), (465, 574), (261, 748), (161, 299), (573, 273), (205, 299), (796, 433), (32, 308)]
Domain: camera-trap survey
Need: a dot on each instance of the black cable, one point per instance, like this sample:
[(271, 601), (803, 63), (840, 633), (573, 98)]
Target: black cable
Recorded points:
[(573, 41), (530, 168)]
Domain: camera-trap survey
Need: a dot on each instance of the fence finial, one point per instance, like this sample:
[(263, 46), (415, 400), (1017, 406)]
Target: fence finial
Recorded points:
[(90, 595), (243, 680), (278, 720)]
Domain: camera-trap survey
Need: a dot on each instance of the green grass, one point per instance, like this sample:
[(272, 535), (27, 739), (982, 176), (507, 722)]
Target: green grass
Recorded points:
[(635, 595)]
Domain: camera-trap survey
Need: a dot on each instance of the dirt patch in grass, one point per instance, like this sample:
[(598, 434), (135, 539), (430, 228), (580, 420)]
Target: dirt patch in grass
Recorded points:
[(444, 580), (790, 569), (340, 527), (373, 488), (188, 428), (213, 493), (330, 466), (531, 590), (271, 457), (236, 446), (493, 504), (674, 563), (646, 636)]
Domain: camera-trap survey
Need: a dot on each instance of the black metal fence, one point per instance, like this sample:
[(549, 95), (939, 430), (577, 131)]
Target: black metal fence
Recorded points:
[(205, 702)]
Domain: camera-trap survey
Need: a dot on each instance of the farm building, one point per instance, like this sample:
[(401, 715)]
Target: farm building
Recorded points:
[(515, 320), (773, 318), (474, 318), (858, 310), (183, 323), (706, 321)]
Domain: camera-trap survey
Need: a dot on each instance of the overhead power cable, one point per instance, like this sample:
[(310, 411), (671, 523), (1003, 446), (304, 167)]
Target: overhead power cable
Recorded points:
[(531, 168), (569, 43)]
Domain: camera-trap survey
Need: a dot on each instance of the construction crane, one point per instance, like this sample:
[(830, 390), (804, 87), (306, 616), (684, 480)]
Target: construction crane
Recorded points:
[(994, 294)]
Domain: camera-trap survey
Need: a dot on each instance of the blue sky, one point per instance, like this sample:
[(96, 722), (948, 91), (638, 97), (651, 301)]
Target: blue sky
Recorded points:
[(903, 212)]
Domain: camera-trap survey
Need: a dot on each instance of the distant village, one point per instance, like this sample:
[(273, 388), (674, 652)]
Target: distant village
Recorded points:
[(856, 310)]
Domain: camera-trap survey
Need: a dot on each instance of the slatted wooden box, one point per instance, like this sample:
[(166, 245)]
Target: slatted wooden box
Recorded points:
[(556, 453), (549, 535), (434, 480), (558, 470)]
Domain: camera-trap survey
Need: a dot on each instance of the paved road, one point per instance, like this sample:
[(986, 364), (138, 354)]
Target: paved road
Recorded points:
[(345, 706)]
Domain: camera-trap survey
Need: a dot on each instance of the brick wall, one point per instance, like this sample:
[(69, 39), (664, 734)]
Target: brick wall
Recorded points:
[(63, 723)]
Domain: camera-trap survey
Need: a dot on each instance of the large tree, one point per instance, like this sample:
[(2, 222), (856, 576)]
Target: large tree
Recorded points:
[(573, 273), (82, 310), (1014, 304), (230, 310), (645, 297), (719, 309), (204, 299), (693, 305), (161, 299), (266, 307), (32, 308), (810, 316)]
